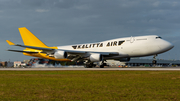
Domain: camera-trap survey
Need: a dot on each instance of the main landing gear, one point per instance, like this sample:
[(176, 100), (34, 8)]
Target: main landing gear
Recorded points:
[(103, 64), (90, 65)]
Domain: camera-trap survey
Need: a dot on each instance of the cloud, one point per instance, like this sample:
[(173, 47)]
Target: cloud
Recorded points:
[(41, 10), (32, 3), (156, 4)]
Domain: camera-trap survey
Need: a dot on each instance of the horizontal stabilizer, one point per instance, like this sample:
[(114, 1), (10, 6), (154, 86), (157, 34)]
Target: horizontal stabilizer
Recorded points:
[(9, 42), (32, 47)]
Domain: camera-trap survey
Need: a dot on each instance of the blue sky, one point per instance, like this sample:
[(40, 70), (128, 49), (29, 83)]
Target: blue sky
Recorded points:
[(65, 22)]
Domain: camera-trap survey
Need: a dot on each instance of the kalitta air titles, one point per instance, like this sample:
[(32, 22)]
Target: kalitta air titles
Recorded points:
[(115, 43)]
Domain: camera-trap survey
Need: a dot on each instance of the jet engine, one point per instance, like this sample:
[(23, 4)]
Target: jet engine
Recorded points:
[(60, 55), (124, 59), (95, 57)]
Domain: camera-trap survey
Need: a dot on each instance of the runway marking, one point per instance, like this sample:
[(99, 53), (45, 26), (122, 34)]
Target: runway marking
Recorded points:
[(70, 68)]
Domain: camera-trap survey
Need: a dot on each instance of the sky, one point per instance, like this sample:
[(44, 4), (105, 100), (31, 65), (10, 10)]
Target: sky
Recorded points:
[(66, 22)]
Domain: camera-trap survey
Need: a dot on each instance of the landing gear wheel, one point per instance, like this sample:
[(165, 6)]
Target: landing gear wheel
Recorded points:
[(154, 62), (103, 64), (90, 65)]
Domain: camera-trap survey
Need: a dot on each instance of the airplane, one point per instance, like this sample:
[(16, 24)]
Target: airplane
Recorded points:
[(120, 49)]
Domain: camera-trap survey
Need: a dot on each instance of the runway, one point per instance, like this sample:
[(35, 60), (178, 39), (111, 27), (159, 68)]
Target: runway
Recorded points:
[(100, 69)]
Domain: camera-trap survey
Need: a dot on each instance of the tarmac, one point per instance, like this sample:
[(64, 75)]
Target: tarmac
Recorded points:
[(101, 69)]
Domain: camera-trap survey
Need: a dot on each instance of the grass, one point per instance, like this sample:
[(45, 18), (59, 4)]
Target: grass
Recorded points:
[(89, 85)]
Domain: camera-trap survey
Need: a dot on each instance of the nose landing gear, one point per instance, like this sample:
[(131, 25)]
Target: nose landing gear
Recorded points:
[(154, 62)]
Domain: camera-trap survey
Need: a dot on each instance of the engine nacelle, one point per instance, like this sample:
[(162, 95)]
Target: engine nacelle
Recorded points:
[(96, 57), (60, 55), (124, 59)]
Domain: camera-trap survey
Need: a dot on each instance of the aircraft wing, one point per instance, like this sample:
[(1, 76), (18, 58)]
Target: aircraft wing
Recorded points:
[(52, 49), (85, 52)]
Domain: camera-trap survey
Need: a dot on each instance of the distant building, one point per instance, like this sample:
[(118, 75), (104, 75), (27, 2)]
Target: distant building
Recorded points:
[(10, 64), (142, 62), (19, 64), (3, 63), (148, 62), (6, 64)]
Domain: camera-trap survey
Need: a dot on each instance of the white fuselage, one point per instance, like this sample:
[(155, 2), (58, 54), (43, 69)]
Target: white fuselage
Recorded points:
[(126, 47)]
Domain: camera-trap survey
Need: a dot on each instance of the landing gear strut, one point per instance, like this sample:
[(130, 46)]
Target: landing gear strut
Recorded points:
[(103, 64), (154, 60)]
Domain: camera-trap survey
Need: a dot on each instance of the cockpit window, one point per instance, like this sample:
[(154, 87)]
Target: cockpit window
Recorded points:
[(158, 37)]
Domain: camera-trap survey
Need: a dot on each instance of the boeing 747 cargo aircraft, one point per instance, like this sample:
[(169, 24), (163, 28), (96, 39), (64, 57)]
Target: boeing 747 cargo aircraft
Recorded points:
[(120, 49)]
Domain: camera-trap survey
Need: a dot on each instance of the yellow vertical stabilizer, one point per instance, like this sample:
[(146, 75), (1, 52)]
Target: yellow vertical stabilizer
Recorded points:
[(29, 39)]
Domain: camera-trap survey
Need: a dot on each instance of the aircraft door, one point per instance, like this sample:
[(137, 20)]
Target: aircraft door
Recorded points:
[(132, 39)]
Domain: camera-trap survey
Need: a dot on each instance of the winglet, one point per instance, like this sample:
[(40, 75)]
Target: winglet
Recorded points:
[(9, 42)]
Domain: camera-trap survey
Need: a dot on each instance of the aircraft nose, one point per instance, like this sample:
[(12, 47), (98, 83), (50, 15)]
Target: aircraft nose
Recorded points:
[(166, 45), (171, 46)]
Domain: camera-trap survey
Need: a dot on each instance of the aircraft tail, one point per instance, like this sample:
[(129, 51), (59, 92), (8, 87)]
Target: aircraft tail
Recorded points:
[(29, 39)]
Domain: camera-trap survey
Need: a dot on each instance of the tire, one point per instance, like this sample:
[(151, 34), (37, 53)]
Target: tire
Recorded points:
[(101, 66), (154, 62), (89, 65)]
